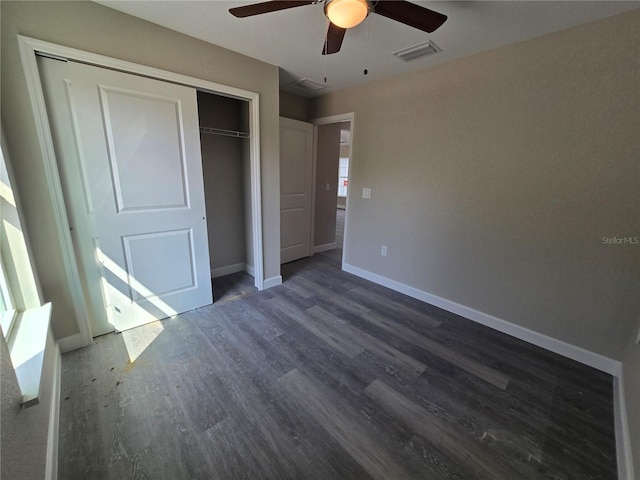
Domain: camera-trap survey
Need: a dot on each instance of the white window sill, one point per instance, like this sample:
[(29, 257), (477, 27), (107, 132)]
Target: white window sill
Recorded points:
[(26, 342)]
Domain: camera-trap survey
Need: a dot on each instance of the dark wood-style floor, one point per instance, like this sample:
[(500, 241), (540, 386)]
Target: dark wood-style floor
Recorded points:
[(328, 377)]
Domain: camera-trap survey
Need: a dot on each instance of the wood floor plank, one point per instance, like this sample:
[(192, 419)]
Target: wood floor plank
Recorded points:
[(398, 359), (521, 425), (348, 431), (298, 286), (254, 441), (341, 343), (488, 374), (441, 434), (266, 326), (435, 461), (342, 302), (396, 308)]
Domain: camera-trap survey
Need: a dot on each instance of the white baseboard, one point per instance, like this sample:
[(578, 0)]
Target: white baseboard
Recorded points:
[(324, 248), (579, 354), (72, 342), (228, 270), (249, 270), (621, 421), (272, 282), (51, 472)]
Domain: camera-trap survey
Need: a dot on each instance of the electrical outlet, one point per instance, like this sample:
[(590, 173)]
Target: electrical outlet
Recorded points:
[(383, 250), (327, 187), (366, 193)]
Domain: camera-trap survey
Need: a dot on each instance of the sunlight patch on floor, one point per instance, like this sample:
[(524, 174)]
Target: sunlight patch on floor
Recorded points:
[(138, 339)]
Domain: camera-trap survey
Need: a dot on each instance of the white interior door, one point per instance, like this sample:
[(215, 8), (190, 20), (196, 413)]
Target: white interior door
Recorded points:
[(129, 150), (296, 179)]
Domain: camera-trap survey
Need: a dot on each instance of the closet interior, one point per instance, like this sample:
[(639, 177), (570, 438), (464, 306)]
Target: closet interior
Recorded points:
[(224, 141)]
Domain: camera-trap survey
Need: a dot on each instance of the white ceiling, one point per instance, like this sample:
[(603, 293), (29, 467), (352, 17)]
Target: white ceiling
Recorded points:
[(292, 39)]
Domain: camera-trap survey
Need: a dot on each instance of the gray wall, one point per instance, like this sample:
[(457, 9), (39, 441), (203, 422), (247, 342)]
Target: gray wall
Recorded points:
[(328, 153), (495, 177), (24, 432), (222, 169), (293, 106), (92, 27)]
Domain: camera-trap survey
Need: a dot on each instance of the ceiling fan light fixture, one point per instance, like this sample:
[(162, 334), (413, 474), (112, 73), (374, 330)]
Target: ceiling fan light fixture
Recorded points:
[(346, 13)]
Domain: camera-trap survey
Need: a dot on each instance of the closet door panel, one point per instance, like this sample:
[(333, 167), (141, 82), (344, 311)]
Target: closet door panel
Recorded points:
[(136, 141), (139, 126)]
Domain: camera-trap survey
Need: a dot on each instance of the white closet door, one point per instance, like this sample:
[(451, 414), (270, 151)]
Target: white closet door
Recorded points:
[(296, 177), (141, 204)]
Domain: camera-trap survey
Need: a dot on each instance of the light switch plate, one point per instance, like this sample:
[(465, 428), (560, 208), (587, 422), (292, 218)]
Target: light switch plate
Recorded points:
[(366, 193)]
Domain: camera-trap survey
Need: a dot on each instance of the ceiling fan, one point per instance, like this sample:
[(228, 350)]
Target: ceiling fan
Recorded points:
[(344, 14)]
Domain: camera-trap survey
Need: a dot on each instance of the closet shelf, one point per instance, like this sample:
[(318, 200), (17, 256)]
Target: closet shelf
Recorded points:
[(227, 133)]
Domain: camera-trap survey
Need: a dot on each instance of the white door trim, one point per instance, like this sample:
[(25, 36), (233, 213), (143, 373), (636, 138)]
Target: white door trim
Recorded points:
[(29, 47), (343, 117)]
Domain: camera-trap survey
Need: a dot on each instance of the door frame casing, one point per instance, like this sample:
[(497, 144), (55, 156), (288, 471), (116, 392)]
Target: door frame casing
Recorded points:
[(29, 48), (340, 118)]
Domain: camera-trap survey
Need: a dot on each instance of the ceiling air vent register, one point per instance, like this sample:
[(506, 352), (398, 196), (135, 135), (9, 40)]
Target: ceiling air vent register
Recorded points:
[(307, 84), (417, 51)]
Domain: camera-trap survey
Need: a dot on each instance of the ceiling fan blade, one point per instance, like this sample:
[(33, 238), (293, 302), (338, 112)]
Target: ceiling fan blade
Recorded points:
[(266, 7), (333, 42), (410, 14)]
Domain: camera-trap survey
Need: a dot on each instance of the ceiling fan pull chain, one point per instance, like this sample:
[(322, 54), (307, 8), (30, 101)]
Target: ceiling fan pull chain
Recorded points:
[(326, 43), (366, 48)]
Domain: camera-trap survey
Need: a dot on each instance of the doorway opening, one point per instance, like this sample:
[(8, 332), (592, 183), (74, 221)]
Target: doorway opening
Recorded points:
[(343, 182), (333, 165), (226, 169)]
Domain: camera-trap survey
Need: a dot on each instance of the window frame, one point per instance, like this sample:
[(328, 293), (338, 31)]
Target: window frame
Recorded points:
[(26, 324), (8, 312)]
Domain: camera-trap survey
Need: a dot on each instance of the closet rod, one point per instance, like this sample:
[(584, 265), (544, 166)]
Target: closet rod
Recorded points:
[(220, 131)]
